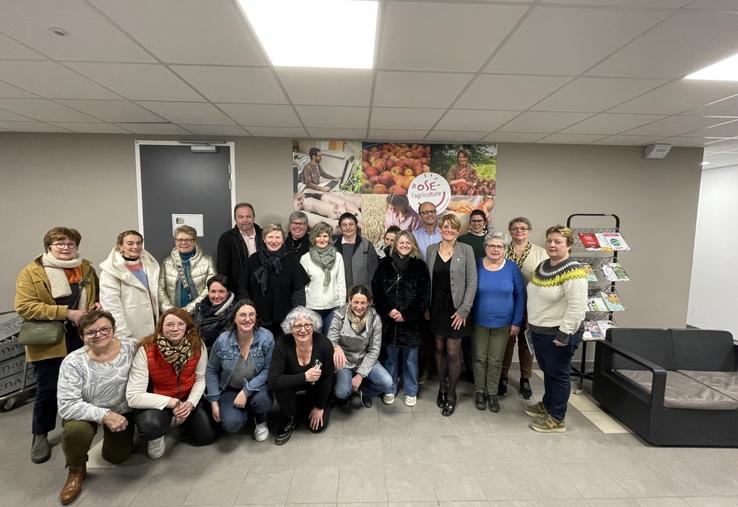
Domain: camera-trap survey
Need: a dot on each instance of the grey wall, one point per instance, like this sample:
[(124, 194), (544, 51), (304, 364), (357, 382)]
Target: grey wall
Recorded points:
[(88, 181)]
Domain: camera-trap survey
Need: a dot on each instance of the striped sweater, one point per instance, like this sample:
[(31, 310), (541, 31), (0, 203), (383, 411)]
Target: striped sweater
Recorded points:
[(557, 299)]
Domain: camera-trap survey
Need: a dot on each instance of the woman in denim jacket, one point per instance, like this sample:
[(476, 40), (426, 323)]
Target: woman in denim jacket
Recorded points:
[(236, 375)]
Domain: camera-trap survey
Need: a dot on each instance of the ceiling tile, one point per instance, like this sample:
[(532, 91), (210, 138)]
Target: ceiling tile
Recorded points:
[(410, 135), (591, 94), (725, 107), (728, 144), (418, 89), (154, 128), (333, 117), (13, 51), (611, 123), (187, 31), (686, 141), (51, 80), (340, 87), (454, 136), (8, 92), (234, 84), (720, 160), (215, 130), (261, 115), (725, 130), (91, 37), (567, 41), (474, 119), (138, 81), (626, 140), (10, 116), (92, 128), (188, 112), (399, 118), (114, 111), (43, 110), (507, 92), (513, 137), (322, 133), (536, 121), (30, 126), (676, 47), (725, 5), (674, 4), (291, 132), (675, 125), (413, 37), (678, 96), (570, 138)]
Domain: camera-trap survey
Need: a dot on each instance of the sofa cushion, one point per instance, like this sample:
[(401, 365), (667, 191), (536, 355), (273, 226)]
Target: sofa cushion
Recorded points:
[(682, 391), (725, 382), (703, 349)]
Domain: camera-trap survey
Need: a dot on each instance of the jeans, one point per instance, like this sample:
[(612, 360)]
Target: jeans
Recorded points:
[(409, 368), (232, 419), (327, 316), (199, 426), (489, 350), (46, 372), (555, 362), (378, 381), (77, 438)]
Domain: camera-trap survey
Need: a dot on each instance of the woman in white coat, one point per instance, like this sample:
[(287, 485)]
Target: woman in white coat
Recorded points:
[(184, 274), (129, 281)]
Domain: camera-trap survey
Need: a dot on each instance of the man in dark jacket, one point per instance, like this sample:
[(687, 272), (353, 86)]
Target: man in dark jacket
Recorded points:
[(237, 244)]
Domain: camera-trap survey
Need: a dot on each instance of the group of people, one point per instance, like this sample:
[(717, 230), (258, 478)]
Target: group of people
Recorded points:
[(303, 317)]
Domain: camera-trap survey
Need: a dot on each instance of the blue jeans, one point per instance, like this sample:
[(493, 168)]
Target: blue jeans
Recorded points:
[(377, 382), (555, 362), (232, 419), (327, 316), (409, 368)]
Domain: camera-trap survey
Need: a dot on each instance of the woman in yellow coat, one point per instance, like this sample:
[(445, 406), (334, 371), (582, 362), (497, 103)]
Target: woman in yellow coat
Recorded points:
[(57, 285)]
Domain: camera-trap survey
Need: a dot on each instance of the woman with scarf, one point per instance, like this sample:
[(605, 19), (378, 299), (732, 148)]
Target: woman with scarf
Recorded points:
[(360, 258), (215, 313), (167, 381), (184, 272), (326, 290), (274, 280), (58, 285), (401, 286)]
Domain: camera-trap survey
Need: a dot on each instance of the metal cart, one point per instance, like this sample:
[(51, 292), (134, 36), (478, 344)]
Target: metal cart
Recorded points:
[(17, 382)]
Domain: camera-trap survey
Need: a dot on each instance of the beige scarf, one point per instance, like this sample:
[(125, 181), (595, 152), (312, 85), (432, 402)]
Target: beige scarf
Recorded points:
[(54, 269)]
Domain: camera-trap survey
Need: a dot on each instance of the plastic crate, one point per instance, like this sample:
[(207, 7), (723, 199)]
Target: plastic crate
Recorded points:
[(14, 383), (12, 366)]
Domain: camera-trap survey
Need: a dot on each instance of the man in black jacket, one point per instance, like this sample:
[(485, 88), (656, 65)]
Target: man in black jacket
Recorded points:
[(237, 244)]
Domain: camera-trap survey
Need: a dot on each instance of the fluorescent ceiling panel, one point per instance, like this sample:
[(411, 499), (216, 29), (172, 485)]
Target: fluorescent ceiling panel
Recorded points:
[(724, 70), (318, 33)]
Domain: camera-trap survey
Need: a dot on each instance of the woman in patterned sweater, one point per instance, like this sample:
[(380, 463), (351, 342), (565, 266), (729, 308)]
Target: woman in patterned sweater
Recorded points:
[(557, 302)]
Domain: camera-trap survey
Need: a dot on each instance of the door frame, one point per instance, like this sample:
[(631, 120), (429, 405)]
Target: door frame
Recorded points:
[(143, 142)]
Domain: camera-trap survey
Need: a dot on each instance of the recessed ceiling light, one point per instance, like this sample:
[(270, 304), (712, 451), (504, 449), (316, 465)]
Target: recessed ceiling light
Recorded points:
[(724, 70), (59, 31), (315, 33)]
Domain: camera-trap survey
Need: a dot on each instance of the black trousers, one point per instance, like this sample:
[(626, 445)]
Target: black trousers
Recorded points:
[(46, 372), (199, 428), (298, 404)]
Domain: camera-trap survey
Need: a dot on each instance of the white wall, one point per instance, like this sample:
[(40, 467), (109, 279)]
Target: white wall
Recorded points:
[(713, 295)]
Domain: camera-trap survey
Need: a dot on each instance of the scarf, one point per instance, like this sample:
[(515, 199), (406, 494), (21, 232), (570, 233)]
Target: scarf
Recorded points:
[(54, 269), (184, 291), (268, 262), (208, 309), (510, 254), (176, 355), (358, 324), (400, 263), (325, 259)]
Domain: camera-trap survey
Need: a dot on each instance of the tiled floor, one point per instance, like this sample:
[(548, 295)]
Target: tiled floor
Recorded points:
[(394, 455)]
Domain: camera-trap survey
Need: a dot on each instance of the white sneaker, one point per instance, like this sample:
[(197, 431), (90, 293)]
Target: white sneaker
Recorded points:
[(261, 432), (156, 447), (388, 399), (410, 401)]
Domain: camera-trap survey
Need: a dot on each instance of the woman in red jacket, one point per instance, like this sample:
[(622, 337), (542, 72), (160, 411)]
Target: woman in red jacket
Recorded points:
[(166, 383)]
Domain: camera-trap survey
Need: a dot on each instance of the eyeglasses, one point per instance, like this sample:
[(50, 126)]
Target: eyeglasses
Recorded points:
[(103, 331), (428, 212), (175, 324), (495, 247), (518, 229), (477, 221), (184, 240), (61, 244), (300, 327), (244, 316), (299, 224)]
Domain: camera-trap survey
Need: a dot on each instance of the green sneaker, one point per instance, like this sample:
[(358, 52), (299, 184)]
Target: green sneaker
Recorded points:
[(547, 424), (537, 410)]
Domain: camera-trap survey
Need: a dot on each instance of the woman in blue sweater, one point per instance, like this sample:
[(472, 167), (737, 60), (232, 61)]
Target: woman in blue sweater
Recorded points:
[(498, 314)]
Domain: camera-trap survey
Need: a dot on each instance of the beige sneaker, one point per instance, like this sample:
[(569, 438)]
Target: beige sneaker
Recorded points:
[(410, 401), (537, 410), (547, 424)]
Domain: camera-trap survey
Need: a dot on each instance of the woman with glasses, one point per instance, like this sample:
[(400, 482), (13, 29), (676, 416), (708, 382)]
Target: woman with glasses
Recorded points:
[(184, 273), (498, 314), (129, 282), (58, 285), (527, 256), (298, 236), (301, 373), (477, 230), (92, 392), (237, 371), (360, 258), (167, 381)]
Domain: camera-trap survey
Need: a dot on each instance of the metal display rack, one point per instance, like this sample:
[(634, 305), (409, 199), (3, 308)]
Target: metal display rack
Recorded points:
[(17, 381)]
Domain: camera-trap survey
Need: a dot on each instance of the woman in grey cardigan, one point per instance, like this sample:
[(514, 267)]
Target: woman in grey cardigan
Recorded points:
[(453, 284)]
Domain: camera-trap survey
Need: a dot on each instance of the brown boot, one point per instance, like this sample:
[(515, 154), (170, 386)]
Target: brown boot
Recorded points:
[(73, 487)]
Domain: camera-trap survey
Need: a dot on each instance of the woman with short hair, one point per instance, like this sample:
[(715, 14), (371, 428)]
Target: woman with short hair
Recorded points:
[(215, 312), (184, 273), (360, 258)]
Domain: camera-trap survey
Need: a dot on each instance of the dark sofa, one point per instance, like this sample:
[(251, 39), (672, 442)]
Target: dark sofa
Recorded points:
[(676, 387)]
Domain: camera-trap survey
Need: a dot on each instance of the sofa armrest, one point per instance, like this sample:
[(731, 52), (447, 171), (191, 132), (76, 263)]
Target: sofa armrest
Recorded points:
[(603, 362)]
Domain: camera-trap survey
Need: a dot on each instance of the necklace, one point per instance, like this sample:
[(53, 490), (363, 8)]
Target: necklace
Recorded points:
[(517, 259)]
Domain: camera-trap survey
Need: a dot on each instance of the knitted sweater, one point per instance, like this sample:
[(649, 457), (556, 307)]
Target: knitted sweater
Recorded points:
[(557, 299)]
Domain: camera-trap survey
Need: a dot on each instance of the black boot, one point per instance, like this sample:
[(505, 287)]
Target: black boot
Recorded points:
[(285, 432), (502, 386), (525, 391)]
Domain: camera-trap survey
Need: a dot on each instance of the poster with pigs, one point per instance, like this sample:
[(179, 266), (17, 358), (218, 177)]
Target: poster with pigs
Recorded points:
[(375, 183)]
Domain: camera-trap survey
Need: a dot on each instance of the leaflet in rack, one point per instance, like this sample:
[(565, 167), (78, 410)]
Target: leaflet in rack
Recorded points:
[(603, 241), (615, 272)]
